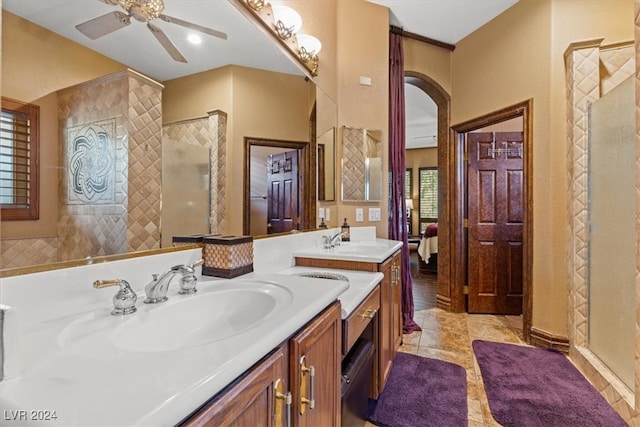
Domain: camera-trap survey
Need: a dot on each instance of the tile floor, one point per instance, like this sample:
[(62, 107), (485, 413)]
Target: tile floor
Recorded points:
[(448, 336)]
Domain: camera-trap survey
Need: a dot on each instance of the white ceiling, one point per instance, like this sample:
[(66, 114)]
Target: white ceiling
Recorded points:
[(444, 20), (448, 21), (137, 48)]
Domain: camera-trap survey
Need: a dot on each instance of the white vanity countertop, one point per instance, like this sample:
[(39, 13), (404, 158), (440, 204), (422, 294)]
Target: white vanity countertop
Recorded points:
[(376, 251), (361, 283), (98, 383)]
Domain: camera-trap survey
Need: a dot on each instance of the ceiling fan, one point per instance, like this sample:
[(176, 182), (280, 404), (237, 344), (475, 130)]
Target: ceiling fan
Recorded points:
[(143, 11)]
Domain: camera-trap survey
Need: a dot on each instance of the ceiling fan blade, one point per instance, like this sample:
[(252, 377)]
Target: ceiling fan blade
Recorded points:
[(191, 25), (166, 43), (103, 25)]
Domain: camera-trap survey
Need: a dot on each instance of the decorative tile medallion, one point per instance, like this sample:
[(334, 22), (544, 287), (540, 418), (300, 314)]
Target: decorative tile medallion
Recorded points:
[(91, 165)]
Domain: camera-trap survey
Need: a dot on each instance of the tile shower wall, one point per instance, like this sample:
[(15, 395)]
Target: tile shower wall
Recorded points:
[(353, 165), (145, 154), (110, 133)]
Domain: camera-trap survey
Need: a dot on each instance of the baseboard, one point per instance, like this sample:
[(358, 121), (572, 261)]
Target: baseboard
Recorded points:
[(443, 302), (547, 340)]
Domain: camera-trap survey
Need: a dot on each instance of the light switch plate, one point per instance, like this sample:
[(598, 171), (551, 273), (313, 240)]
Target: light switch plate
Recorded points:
[(374, 214), (359, 214), (327, 212), (321, 213)]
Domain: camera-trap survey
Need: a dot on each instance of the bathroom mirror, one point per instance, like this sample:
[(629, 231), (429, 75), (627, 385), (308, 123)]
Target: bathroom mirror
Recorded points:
[(37, 48), (361, 164)]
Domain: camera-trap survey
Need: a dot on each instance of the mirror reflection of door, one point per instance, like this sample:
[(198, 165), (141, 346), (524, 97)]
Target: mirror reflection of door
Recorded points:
[(274, 187), (283, 207)]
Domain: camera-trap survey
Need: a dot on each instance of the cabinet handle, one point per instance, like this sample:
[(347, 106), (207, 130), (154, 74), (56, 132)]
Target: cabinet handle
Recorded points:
[(368, 314), (311, 401), (286, 397)]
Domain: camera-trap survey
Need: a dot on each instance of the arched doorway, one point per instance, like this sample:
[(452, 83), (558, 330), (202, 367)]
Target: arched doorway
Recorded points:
[(447, 297)]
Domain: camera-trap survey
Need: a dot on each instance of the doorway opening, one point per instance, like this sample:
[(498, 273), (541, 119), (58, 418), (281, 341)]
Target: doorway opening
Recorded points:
[(282, 166), (492, 274)]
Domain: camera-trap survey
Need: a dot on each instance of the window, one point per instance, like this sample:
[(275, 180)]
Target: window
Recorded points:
[(408, 177), (19, 160), (428, 204)]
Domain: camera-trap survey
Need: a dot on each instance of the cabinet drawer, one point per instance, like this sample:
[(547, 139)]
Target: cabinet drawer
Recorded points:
[(353, 325)]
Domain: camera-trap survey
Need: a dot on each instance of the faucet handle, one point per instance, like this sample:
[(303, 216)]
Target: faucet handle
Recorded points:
[(197, 263), (189, 280), (124, 301)]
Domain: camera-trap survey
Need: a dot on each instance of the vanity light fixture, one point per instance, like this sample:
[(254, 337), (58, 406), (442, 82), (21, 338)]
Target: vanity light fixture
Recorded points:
[(287, 21), (308, 49), (257, 5), (283, 22)]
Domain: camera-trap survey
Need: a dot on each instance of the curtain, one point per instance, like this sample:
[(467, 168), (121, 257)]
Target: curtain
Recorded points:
[(397, 209)]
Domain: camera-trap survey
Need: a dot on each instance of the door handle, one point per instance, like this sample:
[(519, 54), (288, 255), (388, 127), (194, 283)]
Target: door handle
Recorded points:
[(286, 398), (311, 401)]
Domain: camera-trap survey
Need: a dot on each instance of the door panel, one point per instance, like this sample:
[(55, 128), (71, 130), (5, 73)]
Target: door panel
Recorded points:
[(283, 208), (495, 210)]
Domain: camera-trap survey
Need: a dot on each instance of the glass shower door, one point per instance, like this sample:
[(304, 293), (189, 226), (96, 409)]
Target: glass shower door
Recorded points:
[(612, 230)]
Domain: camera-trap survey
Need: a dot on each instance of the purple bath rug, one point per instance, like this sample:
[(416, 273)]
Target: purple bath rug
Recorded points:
[(536, 387), (422, 392)]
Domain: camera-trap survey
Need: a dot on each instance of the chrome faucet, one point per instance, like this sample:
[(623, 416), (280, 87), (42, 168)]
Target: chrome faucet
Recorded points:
[(156, 290), (329, 242)]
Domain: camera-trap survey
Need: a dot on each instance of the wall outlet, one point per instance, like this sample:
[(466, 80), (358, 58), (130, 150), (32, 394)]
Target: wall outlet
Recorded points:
[(321, 213), (327, 212), (374, 214), (359, 214)]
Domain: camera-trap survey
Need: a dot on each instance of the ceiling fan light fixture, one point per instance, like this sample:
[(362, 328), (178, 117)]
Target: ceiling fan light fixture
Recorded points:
[(143, 10), (194, 38)]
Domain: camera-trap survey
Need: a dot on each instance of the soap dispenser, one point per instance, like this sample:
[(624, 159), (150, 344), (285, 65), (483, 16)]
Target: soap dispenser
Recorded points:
[(346, 235), (322, 224)]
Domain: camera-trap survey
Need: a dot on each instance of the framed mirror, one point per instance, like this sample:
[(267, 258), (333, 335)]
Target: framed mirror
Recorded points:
[(361, 164), (40, 61)]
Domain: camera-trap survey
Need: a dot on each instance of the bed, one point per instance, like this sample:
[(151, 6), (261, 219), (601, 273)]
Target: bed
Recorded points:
[(428, 249)]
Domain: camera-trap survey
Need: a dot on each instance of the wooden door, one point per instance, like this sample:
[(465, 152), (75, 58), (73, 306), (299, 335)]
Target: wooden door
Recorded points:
[(495, 217), (283, 208), (315, 371)]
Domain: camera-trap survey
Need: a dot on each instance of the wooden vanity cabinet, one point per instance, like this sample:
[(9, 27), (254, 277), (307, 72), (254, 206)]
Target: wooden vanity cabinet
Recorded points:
[(389, 336), (259, 397), (317, 348), (252, 400), (390, 317)]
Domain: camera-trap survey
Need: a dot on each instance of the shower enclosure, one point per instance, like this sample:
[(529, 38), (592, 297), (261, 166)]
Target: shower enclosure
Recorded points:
[(612, 230)]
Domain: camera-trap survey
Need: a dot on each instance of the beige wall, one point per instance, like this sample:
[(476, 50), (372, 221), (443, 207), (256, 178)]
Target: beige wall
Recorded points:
[(60, 63), (519, 56), (364, 51)]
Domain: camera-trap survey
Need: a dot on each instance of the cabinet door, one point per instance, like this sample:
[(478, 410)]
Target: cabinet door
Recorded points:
[(390, 323), (314, 369), (252, 401), (385, 325)]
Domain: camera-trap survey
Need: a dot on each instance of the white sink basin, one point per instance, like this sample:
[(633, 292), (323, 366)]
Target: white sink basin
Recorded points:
[(182, 322), (366, 251)]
